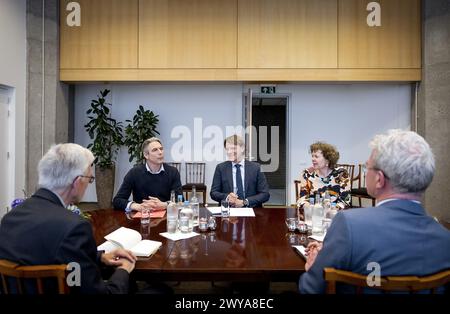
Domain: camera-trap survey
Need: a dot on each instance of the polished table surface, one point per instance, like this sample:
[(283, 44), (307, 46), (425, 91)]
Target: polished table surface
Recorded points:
[(240, 249)]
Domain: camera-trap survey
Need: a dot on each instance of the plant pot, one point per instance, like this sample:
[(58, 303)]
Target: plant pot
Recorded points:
[(104, 185)]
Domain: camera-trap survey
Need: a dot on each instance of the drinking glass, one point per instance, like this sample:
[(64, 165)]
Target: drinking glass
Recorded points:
[(225, 208), (291, 224), (145, 216)]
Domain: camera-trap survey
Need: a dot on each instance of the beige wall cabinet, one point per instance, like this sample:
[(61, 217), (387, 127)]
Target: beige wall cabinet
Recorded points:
[(106, 39), (241, 40), (394, 44)]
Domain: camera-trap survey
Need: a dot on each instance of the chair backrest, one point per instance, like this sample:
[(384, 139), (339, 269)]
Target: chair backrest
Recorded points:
[(297, 189), (19, 274), (350, 170), (409, 284), (176, 165), (195, 172)]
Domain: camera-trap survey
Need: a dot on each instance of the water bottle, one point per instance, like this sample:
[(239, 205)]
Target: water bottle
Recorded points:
[(194, 206), (186, 214), (326, 201), (333, 211), (308, 211), (172, 214), (317, 217)]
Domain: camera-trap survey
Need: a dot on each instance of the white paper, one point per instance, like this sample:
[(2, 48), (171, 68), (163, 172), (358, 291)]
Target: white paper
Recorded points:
[(300, 249), (178, 235), (131, 240), (214, 210), (234, 211), (108, 247), (317, 238), (242, 212)]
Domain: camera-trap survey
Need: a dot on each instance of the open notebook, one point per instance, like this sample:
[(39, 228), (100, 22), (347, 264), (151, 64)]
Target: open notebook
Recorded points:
[(131, 240)]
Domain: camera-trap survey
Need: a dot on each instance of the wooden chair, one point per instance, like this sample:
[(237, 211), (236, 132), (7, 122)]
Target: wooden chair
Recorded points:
[(195, 175), (10, 270), (409, 284), (360, 191), (297, 190), (176, 165)]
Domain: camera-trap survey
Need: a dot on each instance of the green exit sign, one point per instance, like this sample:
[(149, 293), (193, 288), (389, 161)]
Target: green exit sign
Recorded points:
[(268, 89)]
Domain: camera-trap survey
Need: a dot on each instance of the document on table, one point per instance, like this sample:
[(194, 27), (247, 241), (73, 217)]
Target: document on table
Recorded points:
[(234, 212), (242, 212), (300, 249), (317, 238), (178, 235)]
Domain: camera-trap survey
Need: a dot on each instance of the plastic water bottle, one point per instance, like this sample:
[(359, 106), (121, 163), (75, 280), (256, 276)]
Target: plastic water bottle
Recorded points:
[(326, 201), (308, 212), (332, 212), (194, 206), (317, 217), (186, 213), (172, 214)]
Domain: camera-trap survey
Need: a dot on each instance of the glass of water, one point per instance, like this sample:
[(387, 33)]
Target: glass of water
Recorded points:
[(225, 208)]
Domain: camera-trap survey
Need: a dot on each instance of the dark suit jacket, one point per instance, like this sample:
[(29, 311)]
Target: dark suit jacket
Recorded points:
[(398, 235), (41, 231), (256, 187)]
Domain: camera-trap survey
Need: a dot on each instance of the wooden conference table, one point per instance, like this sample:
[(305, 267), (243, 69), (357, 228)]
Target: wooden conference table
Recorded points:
[(240, 249)]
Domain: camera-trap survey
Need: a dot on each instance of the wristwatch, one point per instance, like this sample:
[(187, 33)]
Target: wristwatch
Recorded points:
[(246, 202)]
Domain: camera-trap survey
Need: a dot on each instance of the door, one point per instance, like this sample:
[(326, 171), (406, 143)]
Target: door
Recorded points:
[(267, 140), (4, 151)]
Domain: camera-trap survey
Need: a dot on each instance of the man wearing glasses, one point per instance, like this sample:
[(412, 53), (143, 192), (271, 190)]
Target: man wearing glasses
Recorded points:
[(396, 234), (41, 231)]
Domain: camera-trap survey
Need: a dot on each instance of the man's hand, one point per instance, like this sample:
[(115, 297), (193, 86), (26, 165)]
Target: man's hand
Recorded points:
[(120, 258), (311, 252), (234, 200), (154, 203), (313, 245), (113, 258)]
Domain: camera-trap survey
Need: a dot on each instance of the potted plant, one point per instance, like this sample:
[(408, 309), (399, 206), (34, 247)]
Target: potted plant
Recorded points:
[(142, 127), (107, 137)]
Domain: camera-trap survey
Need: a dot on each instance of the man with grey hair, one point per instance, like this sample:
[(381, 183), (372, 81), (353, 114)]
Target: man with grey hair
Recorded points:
[(150, 182), (42, 231), (397, 234)]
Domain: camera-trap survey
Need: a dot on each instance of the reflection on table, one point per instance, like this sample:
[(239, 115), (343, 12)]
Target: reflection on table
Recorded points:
[(240, 249)]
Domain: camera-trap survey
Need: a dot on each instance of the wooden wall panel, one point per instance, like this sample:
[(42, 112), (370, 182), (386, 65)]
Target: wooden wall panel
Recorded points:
[(107, 37), (287, 34), (187, 33), (394, 44)]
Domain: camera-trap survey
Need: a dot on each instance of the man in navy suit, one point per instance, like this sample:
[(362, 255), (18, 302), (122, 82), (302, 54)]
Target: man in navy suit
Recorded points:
[(238, 180), (42, 231), (396, 237)]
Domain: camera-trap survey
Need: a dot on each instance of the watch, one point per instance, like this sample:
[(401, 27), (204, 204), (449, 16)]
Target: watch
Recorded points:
[(246, 202)]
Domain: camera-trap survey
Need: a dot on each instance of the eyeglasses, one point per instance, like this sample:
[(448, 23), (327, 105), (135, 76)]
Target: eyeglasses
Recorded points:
[(91, 178), (366, 168)]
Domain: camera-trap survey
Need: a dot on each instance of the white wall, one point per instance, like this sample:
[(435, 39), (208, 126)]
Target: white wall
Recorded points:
[(344, 115), (218, 105), (13, 50), (347, 116)]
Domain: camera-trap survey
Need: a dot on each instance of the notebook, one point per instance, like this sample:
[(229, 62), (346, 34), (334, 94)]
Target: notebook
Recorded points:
[(129, 239)]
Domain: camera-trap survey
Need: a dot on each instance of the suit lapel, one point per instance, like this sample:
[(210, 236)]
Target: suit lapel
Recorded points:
[(246, 177), (229, 174)]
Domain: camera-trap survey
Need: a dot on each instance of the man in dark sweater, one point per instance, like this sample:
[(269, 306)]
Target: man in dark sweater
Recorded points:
[(150, 182)]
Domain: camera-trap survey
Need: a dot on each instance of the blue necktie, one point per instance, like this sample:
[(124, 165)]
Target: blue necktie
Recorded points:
[(240, 187)]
